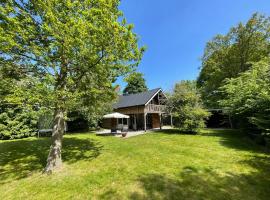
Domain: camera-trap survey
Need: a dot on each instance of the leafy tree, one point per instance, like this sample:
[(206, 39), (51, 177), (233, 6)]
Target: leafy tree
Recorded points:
[(186, 107), (135, 83), (18, 113), (226, 56), (79, 46), (248, 96)]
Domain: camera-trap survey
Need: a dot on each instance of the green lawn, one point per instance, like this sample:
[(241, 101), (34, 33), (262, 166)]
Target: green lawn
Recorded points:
[(213, 165)]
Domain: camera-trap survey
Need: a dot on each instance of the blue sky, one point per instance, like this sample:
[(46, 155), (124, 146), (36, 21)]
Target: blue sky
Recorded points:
[(176, 31)]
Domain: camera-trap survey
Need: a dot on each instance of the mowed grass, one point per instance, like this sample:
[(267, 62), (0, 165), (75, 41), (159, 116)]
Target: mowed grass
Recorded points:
[(216, 164)]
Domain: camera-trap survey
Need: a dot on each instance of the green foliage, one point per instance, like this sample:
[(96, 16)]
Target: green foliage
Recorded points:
[(135, 83), (17, 122), (248, 96), (89, 114), (186, 106), (21, 104), (45, 120), (73, 50), (226, 56)]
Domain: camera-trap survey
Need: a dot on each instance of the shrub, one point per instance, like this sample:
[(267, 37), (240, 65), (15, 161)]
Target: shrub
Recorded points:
[(186, 107), (17, 123)]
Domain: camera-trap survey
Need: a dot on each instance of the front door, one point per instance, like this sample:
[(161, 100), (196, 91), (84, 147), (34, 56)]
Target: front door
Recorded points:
[(149, 124)]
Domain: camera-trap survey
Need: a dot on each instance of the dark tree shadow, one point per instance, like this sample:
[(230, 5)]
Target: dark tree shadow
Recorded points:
[(20, 158), (206, 132), (235, 139), (75, 149), (231, 138), (176, 132)]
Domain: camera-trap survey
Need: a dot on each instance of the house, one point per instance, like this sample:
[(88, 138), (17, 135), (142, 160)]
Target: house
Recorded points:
[(145, 110)]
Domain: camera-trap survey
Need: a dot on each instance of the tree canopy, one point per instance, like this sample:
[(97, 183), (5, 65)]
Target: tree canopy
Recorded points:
[(235, 74), (78, 48), (135, 83), (226, 56)]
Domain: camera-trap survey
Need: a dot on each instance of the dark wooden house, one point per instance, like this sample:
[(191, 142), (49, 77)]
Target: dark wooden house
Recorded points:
[(145, 109)]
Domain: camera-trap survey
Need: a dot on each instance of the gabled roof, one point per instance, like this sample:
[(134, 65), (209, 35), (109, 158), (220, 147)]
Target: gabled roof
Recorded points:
[(135, 99)]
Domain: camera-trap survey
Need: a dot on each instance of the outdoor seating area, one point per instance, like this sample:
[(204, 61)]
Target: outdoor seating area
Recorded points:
[(117, 122)]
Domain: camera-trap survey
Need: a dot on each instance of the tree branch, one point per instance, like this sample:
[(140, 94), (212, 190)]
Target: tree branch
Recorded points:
[(94, 64)]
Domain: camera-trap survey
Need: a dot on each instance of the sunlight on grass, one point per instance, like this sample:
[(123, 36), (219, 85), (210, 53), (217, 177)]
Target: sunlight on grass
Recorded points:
[(216, 164)]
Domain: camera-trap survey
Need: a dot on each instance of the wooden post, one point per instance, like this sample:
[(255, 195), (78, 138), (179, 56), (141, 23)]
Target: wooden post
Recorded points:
[(135, 122), (145, 121), (160, 121)]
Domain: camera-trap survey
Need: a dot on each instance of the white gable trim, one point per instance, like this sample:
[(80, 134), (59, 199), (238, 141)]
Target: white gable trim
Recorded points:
[(153, 96)]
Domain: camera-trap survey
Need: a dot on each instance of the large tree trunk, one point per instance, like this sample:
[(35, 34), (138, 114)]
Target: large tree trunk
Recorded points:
[(54, 160)]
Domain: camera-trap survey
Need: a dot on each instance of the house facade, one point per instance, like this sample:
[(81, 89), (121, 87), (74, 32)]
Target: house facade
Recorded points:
[(145, 110)]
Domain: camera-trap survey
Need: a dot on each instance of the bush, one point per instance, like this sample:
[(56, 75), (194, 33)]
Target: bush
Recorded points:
[(186, 107), (17, 123)]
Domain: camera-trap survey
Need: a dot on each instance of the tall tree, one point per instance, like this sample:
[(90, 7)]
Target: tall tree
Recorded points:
[(247, 97), (226, 56), (80, 46), (135, 83)]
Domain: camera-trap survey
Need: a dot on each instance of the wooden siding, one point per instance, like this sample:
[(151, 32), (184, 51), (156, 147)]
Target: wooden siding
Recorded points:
[(109, 123), (131, 110)]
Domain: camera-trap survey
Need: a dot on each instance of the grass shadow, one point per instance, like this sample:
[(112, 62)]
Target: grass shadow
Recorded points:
[(20, 158), (231, 138), (105, 134), (235, 139), (110, 194), (176, 132)]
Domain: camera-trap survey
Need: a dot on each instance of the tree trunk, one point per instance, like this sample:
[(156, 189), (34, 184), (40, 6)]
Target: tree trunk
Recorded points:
[(54, 160)]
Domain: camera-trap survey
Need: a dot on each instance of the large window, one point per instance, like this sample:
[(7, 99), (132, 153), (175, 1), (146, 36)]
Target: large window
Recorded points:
[(125, 121)]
